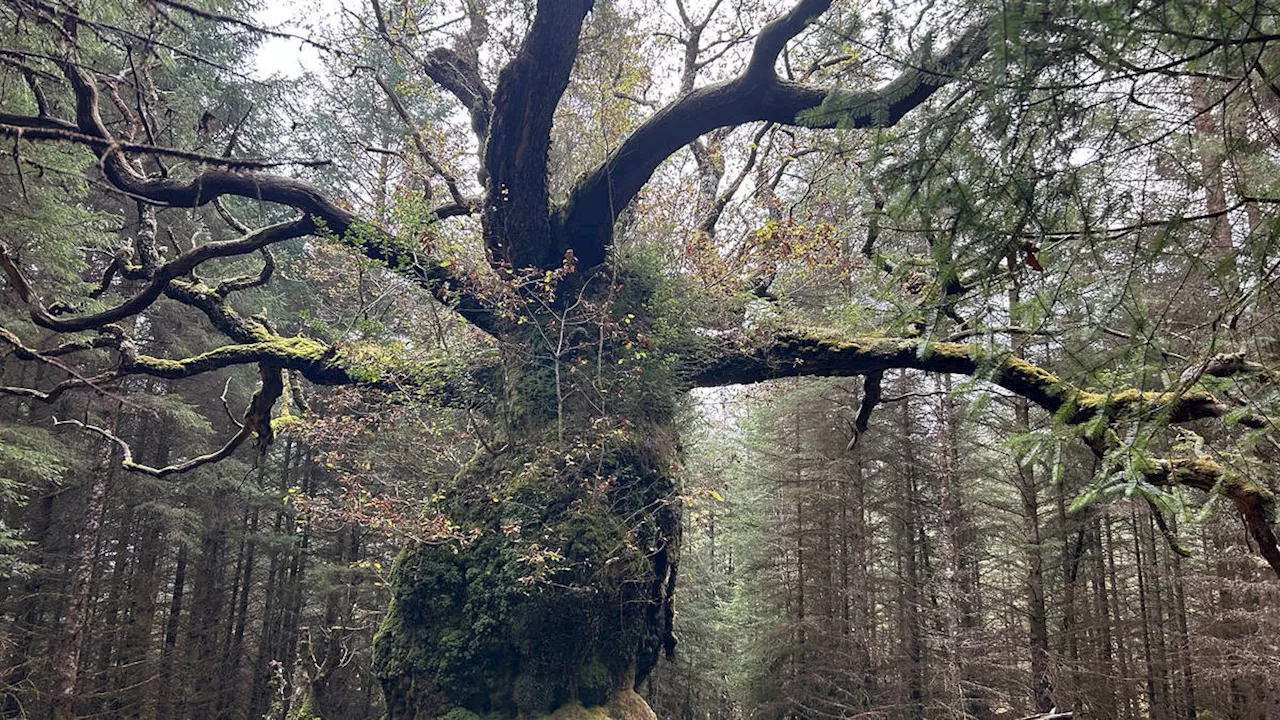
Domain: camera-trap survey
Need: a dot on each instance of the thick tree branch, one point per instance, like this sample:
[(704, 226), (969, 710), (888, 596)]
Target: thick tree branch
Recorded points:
[(516, 222), (316, 361), (439, 382), (213, 183), (585, 223), (815, 353), (820, 354), (1257, 504), (435, 381), (871, 396), (159, 279), (780, 31)]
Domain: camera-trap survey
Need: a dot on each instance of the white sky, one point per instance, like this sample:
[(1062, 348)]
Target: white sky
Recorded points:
[(290, 58), (287, 57)]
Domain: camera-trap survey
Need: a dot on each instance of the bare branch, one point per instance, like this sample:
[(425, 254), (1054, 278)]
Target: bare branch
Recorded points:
[(322, 213), (712, 216), (585, 223), (29, 128), (159, 278), (257, 420), (49, 357), (226, 287), (240, 22), (454, 69), (226, 387), (420, 143)]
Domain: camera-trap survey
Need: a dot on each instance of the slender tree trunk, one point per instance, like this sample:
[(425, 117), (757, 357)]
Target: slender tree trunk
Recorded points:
[(1154, 698), (1105, 624), (911, 605), (29, 616), (66, 650), (1037, 616), (800, 538), (264, 673), (1187, 685), (107, 621), (1123, 655), (291, 619), (136, 671), (328, 647), (237, 650), (203, 623), (1211, 166), (1157, 605), (950, 587), (171, 677)]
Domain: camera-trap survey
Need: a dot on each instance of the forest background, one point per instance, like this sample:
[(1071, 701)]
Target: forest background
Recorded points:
[(1093, 192)]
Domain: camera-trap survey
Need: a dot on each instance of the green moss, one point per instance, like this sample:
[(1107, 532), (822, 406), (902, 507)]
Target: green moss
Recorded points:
[(1132, 398), (563, 597), (290, 352), (1033, 373), (568, 608), (1232, 481), (305, 711), (576, 711), (627, 705), (372, 361)]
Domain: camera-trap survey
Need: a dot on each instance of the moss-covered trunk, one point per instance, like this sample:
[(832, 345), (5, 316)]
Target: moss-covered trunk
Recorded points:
[(559, 604)]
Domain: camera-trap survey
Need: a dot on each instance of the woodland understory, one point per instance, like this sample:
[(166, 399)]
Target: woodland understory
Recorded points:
[(602, 360)]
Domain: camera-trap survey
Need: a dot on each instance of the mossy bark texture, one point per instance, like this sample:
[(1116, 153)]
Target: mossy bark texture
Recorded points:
[(558, 608)]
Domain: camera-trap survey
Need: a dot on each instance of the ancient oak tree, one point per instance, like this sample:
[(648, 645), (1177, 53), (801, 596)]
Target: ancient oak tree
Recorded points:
[(576, 354)]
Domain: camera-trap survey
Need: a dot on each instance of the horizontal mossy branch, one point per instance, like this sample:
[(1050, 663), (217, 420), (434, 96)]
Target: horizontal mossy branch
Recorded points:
[(824, 354), (371, 366), (817, 353), (1256, 502), (316, 361)]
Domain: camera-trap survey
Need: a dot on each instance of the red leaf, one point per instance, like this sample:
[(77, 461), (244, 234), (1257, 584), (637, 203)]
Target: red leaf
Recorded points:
[(1032, 262)]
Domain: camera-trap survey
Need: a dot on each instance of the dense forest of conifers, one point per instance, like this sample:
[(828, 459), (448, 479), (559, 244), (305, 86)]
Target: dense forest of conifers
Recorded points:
[(937, 570), (722, 360), (933, 570)]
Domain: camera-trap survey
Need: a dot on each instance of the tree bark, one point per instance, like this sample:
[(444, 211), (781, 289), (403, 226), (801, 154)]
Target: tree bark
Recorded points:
[(571, 609), (65, 652), (1037, 616)]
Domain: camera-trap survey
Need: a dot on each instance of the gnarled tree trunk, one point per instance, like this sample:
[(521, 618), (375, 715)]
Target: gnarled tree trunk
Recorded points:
[(561, 604)]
